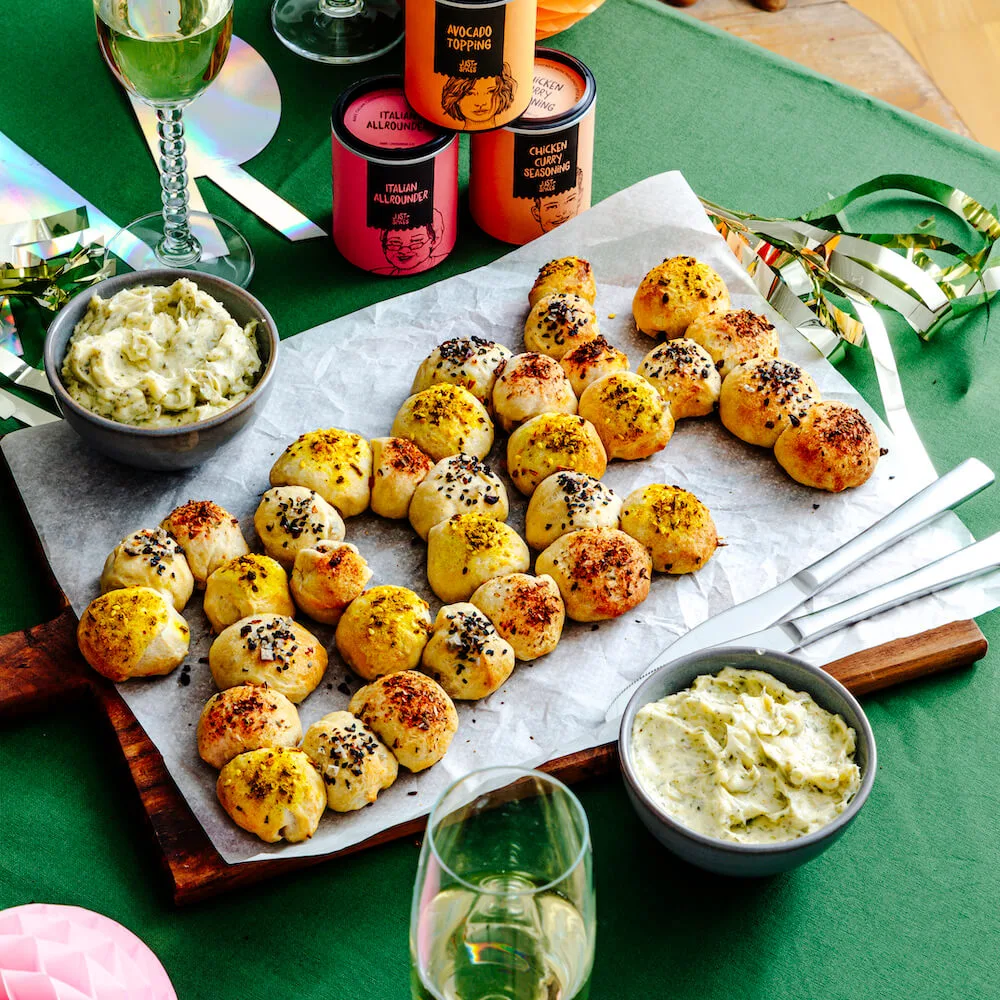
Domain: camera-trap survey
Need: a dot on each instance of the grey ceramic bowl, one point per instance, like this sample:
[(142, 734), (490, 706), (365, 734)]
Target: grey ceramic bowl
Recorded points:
[(167, 448), (721, 856)]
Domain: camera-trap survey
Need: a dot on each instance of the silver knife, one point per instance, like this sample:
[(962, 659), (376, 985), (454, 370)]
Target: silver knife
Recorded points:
[(23, 374), (963, 482), (27, 413)]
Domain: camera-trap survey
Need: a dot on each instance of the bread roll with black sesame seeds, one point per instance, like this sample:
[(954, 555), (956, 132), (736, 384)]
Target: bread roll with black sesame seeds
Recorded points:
[(326, 578), (458, 484), (735, 336), (353, 762), (465, 653), (445, 420), (268, 649), (399, 467), (569, 501), (149, 558), (630, 416), (209, 535), (591, 360), (761, 398), (673, 524), (559, 322), (566, 274), (335, 463), (531, 384), (525, 610), (245, 717), (249, 585), (470, 362), (684, 374), (674, 294), (291, 518), (551, 443)]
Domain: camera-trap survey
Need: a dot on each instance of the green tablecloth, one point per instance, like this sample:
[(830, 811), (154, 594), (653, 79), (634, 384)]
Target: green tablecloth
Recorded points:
[(905, 906)]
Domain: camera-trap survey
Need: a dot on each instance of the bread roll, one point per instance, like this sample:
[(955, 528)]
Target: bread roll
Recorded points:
[(567, 274), (674, 294), (326, 578), (559, 322), (527, 611), (569, 501), (762, 397), (629, 414), (209, 535), (531, 384), (353, 761), (411, 714), (400, 467), (133, 632), (550, 443), (684, 374), (291, 518), (674, 525), (336, 464), (601, 572), (833, 447), (445, 420), (457, 485), (591, 360), (249, 585), (149, 558), (246, 717), (735, 336), (276, 794), (268, 649), (384, 631), (471, 362), (465, 654)]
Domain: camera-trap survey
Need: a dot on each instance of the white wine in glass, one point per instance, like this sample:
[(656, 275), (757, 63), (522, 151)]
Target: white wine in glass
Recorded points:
[(167, 52)]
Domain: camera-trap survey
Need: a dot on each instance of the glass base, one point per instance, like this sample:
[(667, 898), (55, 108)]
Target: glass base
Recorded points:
[(339, 33), (226, 254)]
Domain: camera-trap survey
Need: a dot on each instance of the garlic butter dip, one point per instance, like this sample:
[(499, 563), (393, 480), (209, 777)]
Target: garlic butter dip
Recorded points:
[(160, 356), (740, 756)]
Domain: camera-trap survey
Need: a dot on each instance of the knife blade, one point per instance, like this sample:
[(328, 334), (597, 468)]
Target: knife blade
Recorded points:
[(20, 409), (14, 368)]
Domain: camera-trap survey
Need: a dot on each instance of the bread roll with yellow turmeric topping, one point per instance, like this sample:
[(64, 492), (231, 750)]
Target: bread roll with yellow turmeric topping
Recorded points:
[(149, 558), (673, 524), (133, 632), (674, 294), (326, 578), (531, 384), (590, 361), (465, 654), (245, 717), (629, 414), (559, 322), (249, 585), (209, 535), (399, 468), (291, 518), (735, 336), (566, 274), (551, 443), (445, 420)]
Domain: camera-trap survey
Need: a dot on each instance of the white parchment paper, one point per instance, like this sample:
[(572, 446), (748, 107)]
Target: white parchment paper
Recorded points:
[(354, 372)]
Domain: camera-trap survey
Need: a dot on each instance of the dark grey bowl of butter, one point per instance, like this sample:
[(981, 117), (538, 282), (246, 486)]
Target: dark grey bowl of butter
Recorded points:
[(716, 853), (165, 449)]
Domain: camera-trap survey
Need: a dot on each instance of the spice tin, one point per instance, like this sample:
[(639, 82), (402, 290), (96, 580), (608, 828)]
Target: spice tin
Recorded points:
[(535, 174), (395, 181), (469, 63)]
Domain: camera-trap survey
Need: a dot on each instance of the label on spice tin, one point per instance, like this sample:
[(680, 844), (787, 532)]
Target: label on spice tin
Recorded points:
[(468, 41), (383, 118), (546, 164), (400, 196), (556, 89)]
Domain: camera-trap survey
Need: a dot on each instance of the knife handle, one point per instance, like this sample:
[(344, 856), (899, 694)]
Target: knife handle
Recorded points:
[(973, 560), (964, 481)]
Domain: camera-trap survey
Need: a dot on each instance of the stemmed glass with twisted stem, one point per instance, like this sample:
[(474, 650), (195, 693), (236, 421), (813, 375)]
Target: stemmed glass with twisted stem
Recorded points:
[(338, 31), (166, 52)]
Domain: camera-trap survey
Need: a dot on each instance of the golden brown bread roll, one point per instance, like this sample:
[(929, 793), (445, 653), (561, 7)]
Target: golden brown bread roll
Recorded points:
[(246, 717), (760, 398), (531, 384), (399, 468), (591, 360), (569, 501), (149, 558), (684, 374), (674, 294), (673, 524), (291, 518), (326, 578), (527, 611), (249, 585), (470, 362), (412, 715), (832, 448), (629, 414), (567, 274), (384, 631), (551, 443), (465, 653), (558, 322), (133, 632), (457, 485), (734, 336), (445, 420), (209, 535)]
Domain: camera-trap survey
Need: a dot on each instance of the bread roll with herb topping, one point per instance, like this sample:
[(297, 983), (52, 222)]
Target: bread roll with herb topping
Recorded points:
[(209, 535), (558, 322), (550, 443), (246, 717), (384, 631), (249, 585), (465, 654), (149, 558), (601, 572), (629, 414), (569, 501), (674, 294), (268, 649), (445, 420), (457, 485), (762, 397), (400, 467), (684, 374), (567, 274), (326, 578), (531, 384), (291, 518), (735, 336), (674, 525), (471, 362), (353, 761), (411, 714), (276, 794), (833, 448), (469, 549), (527, 611), (133, 632), (336, 464), (591, 360)]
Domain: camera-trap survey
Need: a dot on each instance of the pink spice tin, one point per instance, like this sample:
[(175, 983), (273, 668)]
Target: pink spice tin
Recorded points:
[(395, 181)]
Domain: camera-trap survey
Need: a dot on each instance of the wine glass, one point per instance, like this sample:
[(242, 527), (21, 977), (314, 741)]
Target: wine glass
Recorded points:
[(167, 52), (338, 31), (503, 907)]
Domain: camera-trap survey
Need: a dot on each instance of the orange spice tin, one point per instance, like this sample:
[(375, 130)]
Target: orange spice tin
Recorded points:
[(535, 173), (469, 63)]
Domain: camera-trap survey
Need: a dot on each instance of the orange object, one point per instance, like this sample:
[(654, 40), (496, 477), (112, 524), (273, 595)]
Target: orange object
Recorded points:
[(469, 63), (535, 173), (558, 15)]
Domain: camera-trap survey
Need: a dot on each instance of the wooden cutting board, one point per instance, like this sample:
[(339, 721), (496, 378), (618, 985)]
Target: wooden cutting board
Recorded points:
[(41, 666)]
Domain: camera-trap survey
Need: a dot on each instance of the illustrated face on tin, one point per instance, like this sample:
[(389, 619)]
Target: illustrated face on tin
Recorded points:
[(478, 100), (555, 209)]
